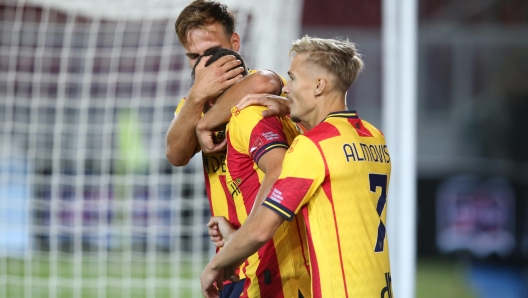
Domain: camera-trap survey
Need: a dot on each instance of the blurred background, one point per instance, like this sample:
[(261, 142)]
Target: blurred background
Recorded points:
[(89, 206)]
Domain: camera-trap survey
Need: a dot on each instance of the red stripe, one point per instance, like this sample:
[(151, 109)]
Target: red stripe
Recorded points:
[(316, 278), (359, 127), (269, 261), (231, 208), (301, 241), (247, 281), (208, 191), (327, 188), (241, 166), (322, 131)]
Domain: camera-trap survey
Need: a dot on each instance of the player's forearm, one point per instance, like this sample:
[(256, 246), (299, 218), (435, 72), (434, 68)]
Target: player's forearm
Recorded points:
[(181, 139), (220, 112), (243, 243), (218, 115), (265, 188)]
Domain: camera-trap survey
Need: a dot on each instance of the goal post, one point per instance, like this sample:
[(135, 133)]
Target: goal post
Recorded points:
[(88, 90)]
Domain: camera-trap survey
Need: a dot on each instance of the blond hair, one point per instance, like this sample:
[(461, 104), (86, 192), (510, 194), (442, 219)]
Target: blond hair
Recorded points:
[(338, 57)]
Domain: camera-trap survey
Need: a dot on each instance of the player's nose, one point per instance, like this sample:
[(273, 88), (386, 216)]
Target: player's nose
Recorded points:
[(286, 88)]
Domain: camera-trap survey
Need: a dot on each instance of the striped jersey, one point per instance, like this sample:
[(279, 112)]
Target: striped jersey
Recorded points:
[(338, 175), (215, 169), (280, 267)]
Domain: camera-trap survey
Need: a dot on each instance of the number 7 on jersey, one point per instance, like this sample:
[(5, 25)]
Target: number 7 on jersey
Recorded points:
[(379, 180)]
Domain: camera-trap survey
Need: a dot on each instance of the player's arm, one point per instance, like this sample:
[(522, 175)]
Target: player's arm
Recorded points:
[(253, 234), (181, 141), (220, 112), (220, 230), (277, 105)]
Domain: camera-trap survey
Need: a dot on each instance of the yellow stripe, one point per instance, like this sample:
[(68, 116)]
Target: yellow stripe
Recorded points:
[(278, 209), (277, 145)]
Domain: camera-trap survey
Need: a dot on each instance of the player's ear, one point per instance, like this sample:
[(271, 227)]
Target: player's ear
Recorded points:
[(235, 42), (320, 85)]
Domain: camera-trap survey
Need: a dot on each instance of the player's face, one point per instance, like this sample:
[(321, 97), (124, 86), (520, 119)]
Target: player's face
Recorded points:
[(213, 36), (299, 89)]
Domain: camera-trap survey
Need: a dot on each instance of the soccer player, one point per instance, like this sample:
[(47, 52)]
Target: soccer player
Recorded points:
[(256, 148), (204, 25), (337, 175)]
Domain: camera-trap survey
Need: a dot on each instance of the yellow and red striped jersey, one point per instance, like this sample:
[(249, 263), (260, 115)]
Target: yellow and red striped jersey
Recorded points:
[(215, 169), (280, 267), (215, 178), (338, 175)]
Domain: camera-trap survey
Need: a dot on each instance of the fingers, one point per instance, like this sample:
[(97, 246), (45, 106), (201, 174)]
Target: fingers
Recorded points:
[(227, 62), (277, 105), (230, 273), (213, 221), (218, 244), (234, 74), (232, 65), (234, 278), (202, 63), (221, 146), (250, 99)]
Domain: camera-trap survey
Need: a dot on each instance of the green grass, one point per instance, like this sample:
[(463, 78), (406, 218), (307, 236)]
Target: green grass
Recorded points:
[(441, 279), (115, 278), (434, 278)]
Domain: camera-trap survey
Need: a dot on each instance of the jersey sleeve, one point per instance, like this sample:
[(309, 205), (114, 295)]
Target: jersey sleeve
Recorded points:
[(302, 173), (254, 135)]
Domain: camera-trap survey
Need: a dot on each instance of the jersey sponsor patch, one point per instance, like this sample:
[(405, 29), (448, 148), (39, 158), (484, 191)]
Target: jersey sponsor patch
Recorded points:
[(270, 136), (276, 195)]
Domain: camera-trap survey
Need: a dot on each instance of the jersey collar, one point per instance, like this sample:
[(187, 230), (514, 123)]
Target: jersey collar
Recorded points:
[(342, 114)]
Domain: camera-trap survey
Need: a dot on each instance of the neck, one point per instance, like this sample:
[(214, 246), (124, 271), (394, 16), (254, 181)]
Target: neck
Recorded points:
[(326, 105)]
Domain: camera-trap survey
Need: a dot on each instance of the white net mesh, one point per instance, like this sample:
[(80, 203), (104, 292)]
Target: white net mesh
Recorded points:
[(89, 206)]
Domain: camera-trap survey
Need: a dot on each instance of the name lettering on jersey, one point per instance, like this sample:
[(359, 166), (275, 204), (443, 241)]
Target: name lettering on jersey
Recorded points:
[(214, 163), (270, 136), (366, 152), (276, 195), (388, 289)]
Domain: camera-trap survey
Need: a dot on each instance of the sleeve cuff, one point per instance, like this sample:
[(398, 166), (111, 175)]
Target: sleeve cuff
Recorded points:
[(281, 210), (270, 146)]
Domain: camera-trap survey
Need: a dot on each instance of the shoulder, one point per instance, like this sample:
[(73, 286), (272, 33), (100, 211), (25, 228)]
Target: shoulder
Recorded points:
[(263, 81), (248, 113), (322, 131), (302, 151)]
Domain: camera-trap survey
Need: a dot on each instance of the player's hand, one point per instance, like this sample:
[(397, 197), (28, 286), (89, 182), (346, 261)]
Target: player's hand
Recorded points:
[(211, 81), (208, 278), (230, 272), (208, 142), (220, 231), (277, 105)]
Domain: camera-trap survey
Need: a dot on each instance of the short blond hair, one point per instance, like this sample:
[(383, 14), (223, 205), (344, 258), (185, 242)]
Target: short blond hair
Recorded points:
[(338, 57)]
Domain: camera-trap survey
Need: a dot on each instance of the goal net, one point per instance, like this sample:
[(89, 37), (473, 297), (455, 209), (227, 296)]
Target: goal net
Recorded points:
[(89, 206)]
